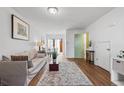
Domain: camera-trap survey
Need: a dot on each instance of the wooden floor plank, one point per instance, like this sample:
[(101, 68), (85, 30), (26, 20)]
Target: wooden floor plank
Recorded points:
[(97, 75)]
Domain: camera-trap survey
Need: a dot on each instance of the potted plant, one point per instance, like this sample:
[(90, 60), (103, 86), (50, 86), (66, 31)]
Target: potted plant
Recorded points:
[(54, 56), (121, 55)]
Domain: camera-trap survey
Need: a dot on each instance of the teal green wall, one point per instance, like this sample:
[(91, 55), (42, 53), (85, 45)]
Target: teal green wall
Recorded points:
[(79, 45)]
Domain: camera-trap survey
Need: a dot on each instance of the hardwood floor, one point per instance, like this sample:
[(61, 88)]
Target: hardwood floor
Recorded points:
[(97, 75)]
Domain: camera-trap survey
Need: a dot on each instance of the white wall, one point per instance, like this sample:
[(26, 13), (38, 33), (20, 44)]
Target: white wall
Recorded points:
[(110, 27), (7, 44), (70, 41)]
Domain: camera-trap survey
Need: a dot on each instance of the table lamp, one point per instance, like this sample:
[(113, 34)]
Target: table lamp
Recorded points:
[(39, 44)]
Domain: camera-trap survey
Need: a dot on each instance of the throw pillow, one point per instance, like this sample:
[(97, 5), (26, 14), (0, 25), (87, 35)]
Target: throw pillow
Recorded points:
[(5, 59), (19, 58), (22, 58), (30, 64)]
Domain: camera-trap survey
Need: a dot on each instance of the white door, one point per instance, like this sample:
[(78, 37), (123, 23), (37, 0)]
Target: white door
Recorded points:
[(102, 54)]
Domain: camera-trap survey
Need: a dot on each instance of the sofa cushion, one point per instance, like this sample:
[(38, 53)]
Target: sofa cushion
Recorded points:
[(32, 54), (41, 55), (25, 53), (37, 64), (22, 58), (15, 73)]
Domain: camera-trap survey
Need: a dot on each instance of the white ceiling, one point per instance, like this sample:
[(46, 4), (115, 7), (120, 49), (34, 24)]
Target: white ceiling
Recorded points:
[(68, 17)]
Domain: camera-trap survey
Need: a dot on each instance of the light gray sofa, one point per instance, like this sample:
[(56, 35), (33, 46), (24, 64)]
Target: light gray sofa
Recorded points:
[(16, 73), (38, 64), (13, 73)]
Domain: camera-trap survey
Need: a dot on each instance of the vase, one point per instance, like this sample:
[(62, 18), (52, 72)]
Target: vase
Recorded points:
[(54, 61)]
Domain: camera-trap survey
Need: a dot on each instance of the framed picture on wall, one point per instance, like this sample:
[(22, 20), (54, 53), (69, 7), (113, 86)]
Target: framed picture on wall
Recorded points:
[(20, 29)]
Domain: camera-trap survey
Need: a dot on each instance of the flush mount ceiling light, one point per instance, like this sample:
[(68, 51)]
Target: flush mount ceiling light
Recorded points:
[(53, 10)]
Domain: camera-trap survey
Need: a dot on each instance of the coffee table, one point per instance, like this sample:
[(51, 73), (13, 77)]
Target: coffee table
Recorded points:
[(54, 67)]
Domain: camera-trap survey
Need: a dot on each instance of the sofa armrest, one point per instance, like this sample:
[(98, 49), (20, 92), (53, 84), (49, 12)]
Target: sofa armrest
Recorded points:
[(14, 73)]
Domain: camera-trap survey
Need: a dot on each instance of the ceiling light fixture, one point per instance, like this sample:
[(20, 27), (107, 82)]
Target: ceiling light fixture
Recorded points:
[(53, 10)]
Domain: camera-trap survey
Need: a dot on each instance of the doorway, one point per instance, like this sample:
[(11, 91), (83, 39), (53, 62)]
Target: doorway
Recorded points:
[(81, 43), (78, 45)]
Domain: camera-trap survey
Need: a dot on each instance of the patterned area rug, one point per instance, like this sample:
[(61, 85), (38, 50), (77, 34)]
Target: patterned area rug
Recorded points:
[(69, 74)]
